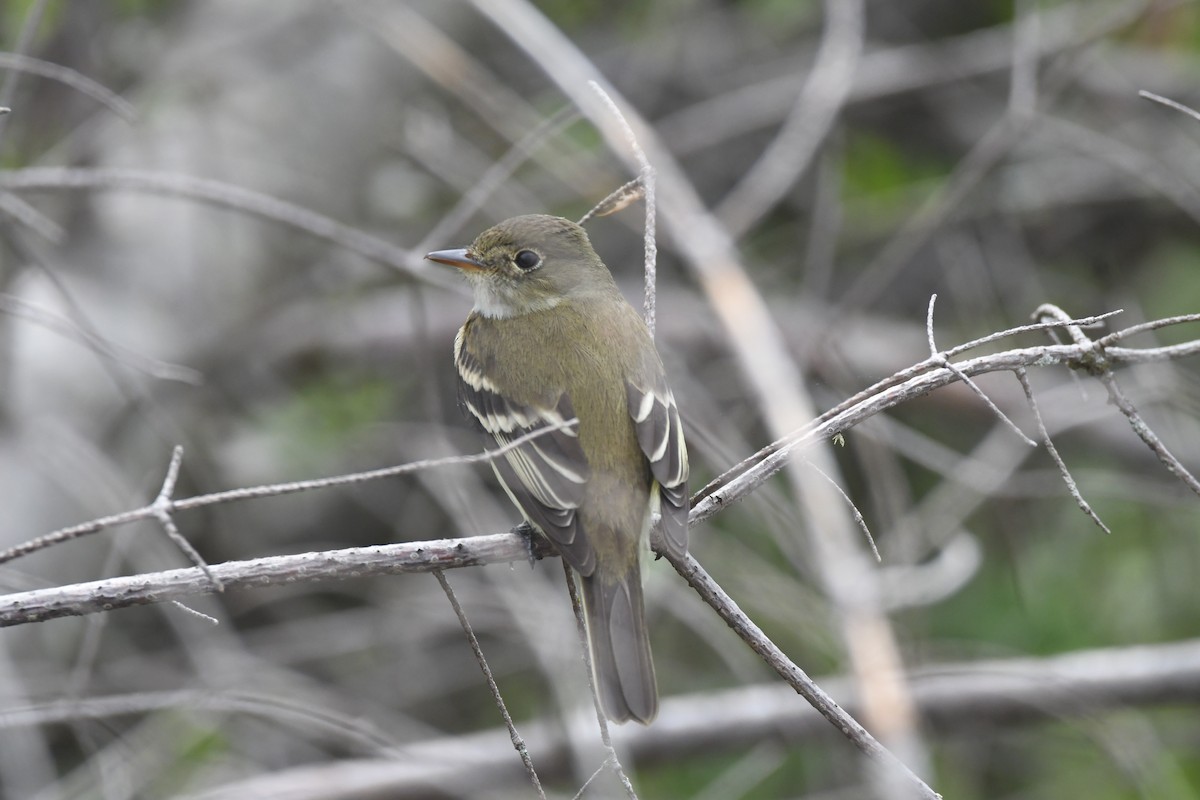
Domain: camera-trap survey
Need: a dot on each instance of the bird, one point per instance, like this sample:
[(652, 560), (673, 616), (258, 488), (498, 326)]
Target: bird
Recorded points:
[(549, 340)]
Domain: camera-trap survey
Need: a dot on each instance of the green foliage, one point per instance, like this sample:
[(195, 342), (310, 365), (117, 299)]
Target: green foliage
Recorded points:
[(877, 167), (1172, 285), (316, 423)]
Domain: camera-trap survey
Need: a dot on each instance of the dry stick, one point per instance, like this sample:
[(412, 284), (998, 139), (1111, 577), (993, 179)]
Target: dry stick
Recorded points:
[(354, 732), (1191, 112), (1023, 377), (1152, 325), (1082, 322), (592, 778), (455, 68), (29, 27), (69, 77), (1146, 434), (68, 328), (1142, 166), (586, 650), (424, 556), (883, 72), (735, 618), (161, 509), (812, 115), (897, 379), (940, 360), (1098, 364), (228, 195), (20, 608), (858, 517), (170, 506), (771, 459), (23, 213), (513, 735), (947, 200), (647, 180)]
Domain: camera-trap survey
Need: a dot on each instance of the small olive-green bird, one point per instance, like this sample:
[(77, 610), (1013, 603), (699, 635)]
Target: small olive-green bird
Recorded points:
[(551, 339)]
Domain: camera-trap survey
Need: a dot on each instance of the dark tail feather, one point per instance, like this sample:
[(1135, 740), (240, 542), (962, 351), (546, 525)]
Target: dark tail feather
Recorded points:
[(616, 624)]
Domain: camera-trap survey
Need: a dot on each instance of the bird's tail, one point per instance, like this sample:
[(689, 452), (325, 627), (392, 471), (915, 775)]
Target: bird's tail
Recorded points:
[(616, 624)]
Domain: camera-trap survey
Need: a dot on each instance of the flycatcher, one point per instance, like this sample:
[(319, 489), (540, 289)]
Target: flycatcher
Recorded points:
[(551, 339)]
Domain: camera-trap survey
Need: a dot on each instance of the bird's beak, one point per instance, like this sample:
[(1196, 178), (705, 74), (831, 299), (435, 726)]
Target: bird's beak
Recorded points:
[(455, 258)]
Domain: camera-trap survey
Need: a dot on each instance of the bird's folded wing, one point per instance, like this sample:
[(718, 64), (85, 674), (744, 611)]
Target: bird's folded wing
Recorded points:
[(660, 436), (545, 476)]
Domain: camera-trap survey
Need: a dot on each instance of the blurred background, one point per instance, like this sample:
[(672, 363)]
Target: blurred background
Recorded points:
[(225, 254)]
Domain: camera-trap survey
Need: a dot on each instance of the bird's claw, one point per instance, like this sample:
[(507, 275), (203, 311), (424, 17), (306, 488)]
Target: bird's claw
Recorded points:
[(526, 532)]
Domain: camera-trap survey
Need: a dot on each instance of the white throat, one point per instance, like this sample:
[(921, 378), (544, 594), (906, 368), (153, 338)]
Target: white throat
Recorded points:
[(495, 304)]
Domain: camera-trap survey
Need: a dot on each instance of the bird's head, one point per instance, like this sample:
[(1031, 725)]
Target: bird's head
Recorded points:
[(527, 264)]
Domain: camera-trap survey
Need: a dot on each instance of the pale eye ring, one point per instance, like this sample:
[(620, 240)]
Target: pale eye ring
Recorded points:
[(527, 260)]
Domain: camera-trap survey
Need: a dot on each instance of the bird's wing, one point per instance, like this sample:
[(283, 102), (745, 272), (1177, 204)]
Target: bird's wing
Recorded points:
[(545, 476), (660, 435)]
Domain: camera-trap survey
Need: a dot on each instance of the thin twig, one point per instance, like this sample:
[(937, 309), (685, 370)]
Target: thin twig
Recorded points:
[(1147, 434), (162, 507), (596, 773), (19, 211), (940, 359), (514, 736), (16, 62), (1082, 322), (742, 479), (1098, 362), (586, 649), (198, 614), (29, 28), (1023, 377), (646, 177), (858, 517), (1152, 325), (1169, 103), (89, 338), (78, 599), (806, 687), (273, 490), (812, 115), (227, 195)]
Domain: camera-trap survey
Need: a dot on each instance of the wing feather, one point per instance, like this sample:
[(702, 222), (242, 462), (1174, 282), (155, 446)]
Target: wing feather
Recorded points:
[(660, 437), (545, 477)]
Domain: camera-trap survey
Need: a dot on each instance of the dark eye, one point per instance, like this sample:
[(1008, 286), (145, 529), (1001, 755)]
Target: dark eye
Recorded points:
[(527, 259)]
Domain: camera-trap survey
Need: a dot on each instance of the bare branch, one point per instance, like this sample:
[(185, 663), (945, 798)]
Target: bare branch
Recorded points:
[(64, 326), (858, 517), (16, 62), (941, 360), (1191, 112), (517, 742), (154, 510), (806, 687), (227, 195), (646, 177), (97, 596), (1098, 361), (601, 721), (161, 508), (1023, 377), (813, 113), (743, 478)]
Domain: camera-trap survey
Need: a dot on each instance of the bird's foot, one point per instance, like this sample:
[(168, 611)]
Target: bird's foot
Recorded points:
[(532, 549)]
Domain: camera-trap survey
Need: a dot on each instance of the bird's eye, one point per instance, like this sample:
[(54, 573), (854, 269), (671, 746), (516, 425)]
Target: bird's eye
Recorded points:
[(527, 259)]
